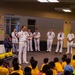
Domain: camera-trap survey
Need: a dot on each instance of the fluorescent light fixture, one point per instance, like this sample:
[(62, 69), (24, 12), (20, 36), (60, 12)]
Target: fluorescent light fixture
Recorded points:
[(66, 10), (53, 1), (42, 0)]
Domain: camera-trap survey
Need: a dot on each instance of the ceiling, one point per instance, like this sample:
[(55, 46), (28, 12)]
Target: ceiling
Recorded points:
[(34, 0), (34, 4)]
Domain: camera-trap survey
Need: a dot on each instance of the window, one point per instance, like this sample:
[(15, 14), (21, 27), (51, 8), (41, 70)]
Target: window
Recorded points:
[(31, 24), (10, 24)]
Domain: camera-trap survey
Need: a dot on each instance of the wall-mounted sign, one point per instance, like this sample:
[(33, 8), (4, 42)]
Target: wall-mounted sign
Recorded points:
[(1, 29)]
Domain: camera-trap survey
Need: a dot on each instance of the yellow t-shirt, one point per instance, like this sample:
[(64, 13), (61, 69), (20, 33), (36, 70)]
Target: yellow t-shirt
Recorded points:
[(31, 67), (58, 67), (63, 64), (54, 72), (35, 72), (73, 63), (20, 68), (43, 74), (4, 71), (18, 71), (42, 66)]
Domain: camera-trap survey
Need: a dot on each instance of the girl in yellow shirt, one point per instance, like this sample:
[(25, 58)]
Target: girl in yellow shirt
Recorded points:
[(32, 60), (3, 70), (16, 60), (34, 70)]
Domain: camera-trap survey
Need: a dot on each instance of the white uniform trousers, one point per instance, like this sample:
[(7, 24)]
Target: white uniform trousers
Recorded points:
[(37, 44), (69, 48), (14, 45), (59, 46), (49, 44), (29, 45), (22, 49)]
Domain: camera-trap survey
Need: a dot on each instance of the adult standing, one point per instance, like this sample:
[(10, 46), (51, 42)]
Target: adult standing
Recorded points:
[(60, 38), (36, 35), (29, 41), (23, 35), (50, 37), (70, 38), (14, 41)]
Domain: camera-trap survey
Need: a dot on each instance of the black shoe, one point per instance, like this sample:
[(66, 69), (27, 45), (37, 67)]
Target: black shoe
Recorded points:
[(60, 52), (55, 52)]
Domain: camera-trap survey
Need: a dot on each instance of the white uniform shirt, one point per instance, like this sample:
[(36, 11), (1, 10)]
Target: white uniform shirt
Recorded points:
[(60, 36), (50, 35), (30, 34), (14, 38), (37, 35), (23, 36), (70, 36)]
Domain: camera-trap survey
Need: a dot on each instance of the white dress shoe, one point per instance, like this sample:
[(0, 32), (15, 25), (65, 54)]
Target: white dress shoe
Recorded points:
[(25, 62), (67, 52), (20, 63)]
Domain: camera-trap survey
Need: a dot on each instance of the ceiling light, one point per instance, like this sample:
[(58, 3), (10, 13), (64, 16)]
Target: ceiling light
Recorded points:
[(66, 10), (53, 1), (42, 0)]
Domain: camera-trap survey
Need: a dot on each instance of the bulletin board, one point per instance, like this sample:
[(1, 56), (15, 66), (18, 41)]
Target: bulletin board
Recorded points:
[(1, 28)]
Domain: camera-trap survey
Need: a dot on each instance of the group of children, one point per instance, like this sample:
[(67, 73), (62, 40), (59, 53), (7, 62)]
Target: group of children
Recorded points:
[(67, 67)]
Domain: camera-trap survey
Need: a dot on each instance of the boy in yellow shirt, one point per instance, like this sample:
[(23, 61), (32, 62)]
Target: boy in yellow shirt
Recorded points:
[(52, 67), (27, 70), (64, 57), (58, 66), (49, 72), (16, 68), (63, 62), (45, 63), (73, 62), (44, 69), (68, 67)]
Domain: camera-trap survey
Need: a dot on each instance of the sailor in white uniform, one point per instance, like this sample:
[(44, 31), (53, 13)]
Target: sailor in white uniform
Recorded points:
[(23, 35), (36, 35), (50, 37), (29, 41), (60, 38), (14, 41), (70, 38)]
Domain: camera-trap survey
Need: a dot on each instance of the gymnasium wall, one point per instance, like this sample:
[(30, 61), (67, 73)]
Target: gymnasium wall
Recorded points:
[(20, 9), (73, 27), (44, 24)]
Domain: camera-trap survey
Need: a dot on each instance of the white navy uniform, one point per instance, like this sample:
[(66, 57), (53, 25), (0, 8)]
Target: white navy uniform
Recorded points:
[(50, 37), (14, 41), (60, 38), (69, 44), (29, 42), (37, 41), (23, 45)]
